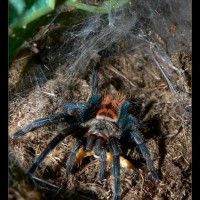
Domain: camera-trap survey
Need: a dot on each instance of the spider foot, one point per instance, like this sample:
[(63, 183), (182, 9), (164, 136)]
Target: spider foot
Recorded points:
[(116, 197), (51, 185), (117, 191), (17, 134)]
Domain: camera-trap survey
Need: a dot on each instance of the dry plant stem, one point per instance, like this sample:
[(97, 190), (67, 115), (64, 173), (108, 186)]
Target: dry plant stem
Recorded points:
[(111, 68)]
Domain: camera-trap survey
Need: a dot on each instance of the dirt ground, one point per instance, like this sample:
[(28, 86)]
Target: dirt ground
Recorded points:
[(165, 126)]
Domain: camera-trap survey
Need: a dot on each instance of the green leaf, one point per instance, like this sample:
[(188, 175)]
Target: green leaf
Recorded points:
[(22, 12), (106, 7)]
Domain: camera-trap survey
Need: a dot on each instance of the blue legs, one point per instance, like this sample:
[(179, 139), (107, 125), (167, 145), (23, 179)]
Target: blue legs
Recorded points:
[(90, 111), (137, 137), (95, 92), (38, 123), (71, 130), (72, 155), (77, 105), (44, 122), (130, 124), (116, 167), (51, 119)]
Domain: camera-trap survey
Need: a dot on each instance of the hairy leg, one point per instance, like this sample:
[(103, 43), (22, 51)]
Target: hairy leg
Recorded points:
[(38, 123), (52, 144), (99, 150), (51, 185), (137, 137), (103, 163), (116, 167), (44, 122), (98, 146), (123, 113), (90, 142), (76, 105), (93, 103), (72, 155)]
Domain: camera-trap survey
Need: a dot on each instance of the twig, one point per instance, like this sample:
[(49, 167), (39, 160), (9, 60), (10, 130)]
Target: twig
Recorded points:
[(111, 68)]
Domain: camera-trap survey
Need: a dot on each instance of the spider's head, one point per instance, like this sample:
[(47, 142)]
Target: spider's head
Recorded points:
[(110, 106)]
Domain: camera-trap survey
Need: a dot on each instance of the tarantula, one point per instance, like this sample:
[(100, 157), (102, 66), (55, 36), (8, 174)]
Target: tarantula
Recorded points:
[(98, 130)]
